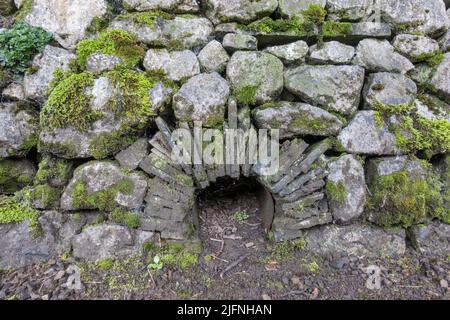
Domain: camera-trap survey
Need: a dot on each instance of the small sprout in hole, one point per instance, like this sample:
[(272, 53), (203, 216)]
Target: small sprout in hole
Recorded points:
[(241, 216), (157, 263)]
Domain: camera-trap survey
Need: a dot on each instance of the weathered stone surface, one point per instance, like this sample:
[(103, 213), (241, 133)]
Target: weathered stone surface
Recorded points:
[(332, 52), (16, 174), (104, 181), (238, 10), (108, 242), (432, 239), (426, 16), (296, 119), (213, 57), (257, 72), (346, 189), (99, 62), (364, 136), (441, 78), (390, 89), (7, 7), (202, 98), (67, 20), (290, 8), (177, 65), (359, 240), (336, 88), (416, 48), (233, 42), (445, 42), (132, 156), (14, 92), (178, 6), (362, 30), (19, 125), (379, 55), (290, 53), (349, 10), (36, 84), (388, 165), (180, 32)]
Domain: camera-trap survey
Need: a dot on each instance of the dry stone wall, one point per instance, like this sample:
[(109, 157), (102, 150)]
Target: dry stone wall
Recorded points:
[(91, 92)]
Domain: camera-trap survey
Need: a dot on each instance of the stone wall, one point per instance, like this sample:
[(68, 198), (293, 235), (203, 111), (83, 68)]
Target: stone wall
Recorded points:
[(92, 90)]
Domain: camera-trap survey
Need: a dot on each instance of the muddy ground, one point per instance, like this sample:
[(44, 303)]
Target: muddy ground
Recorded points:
[(231, 231)]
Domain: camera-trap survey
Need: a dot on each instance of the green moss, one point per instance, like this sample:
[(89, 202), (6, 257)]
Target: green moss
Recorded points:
[(179, 255), (285, 250), (336, 191), (293, 25), (98, 24), (26, 8), (130, 219), (313, 124), (106, 144), (436, 59), (103, 200), (118, 43), (246, 95), (105, 264), (145, 18), (51, 169), (43, 196), (68, 103), (315, 14), (11, 211), (14, 175), (333, 29), (401, 199)]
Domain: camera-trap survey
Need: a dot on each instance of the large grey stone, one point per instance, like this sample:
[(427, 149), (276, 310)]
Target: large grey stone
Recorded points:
[(258, 72), (347, 189), (296, 119), (178, 6), (416, 48), (336, 88), (390, 89), (432, 239), (36, 84), (243, 11), (213, 57), (181, 32), (19, 125), (332, 52), (67, 20), (109, 242), (290, 53), (105, 181), (202, 98), (290, 8), (177, 65), (352, 10), (14, 92), (98, 62), (364, 136), (233, 42), (132, 156), (379, 55), (441, 78)]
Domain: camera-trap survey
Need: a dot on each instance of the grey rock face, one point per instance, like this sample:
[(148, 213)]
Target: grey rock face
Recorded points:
[(177, 65), (289, 8), (359, 240), (36, 84), (213, 57), (202, 98), (183, 32), (445, 42), (132, 156), (178, 6), (14, 92), (19, 127), (108, 242), (346, 174), (67, 20), (99, 62), (15, 175), (426, 16), (336, 88), (290, 53), (127, 190), (332, 52), (441, 78), (238, 10), (352, 10), (416, 48), (233, 42), (389, 165), (433, 239), (364, 136), (259, 71), (389, 89), (297, 119), (371, 29), (379, 55)]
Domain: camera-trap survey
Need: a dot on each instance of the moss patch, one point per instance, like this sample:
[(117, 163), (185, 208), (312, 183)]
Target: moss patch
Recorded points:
[(246, 95), (335, 29), (336, 191), (283, 251), (53, 169), (118, 43), (127, 218), (11, 211), (145, 18), (176, 255), (41, 196), (14, 176)]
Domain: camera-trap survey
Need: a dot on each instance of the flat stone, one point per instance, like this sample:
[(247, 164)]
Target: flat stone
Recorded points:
[(290, 53), (213, 57), (177, 6), (331, 52), (416, 48), (441, 78), (14, 91), (242, 11), (233, 42), (132, 156), (98, 62), (177, 65), (349, 10), (290, 8), (335, 88)]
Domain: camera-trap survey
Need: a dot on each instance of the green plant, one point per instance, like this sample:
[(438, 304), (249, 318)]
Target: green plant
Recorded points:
[(156, 264), (130, 219), (19, 44), (12, 211), (145, 18), (241, 216)]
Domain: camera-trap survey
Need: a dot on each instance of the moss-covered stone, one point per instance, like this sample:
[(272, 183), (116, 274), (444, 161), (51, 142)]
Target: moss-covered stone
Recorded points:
[(41, 196), (336, 191), (12, 211), (54, 171), (147, 18), (15, 175), (246, 95), (332, 29), (129, 219)]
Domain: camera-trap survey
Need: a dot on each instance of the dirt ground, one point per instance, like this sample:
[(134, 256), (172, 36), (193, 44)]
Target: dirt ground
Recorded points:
[(237, 262)]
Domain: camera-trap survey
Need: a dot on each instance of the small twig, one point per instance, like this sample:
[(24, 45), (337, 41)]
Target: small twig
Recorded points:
[(234, 264), (232, 237), (215, 257), (252, 224)]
